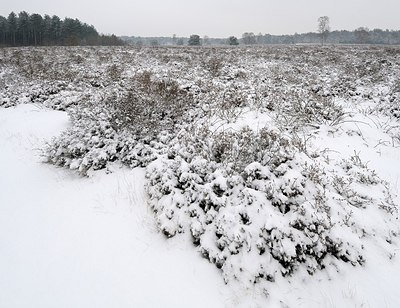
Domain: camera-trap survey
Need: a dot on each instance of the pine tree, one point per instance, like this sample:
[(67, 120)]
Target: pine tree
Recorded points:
[(23, 28), (37, 28), (26, 29), (12, 28), (55, 30), (3, 30)]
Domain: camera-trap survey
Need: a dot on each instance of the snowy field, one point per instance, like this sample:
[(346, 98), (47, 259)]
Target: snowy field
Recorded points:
[(169, 177)]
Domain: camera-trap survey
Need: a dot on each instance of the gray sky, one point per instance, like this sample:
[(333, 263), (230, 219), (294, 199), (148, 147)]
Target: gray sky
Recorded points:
[(215, 18)]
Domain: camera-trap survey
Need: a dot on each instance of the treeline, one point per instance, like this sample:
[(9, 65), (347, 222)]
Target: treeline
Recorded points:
[(139, 41), (359, 36), (33, 29)]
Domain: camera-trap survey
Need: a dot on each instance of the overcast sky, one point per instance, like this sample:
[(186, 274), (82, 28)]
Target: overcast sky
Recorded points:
[(215, 18)]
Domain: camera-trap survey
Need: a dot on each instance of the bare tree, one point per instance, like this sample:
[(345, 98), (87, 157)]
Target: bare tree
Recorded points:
[(323, 28)]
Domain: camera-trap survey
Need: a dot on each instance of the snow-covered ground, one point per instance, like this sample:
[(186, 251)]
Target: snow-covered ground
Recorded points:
[(273, 162), (68, 241)]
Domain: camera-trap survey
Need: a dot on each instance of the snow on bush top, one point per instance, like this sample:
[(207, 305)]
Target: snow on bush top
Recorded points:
[(225, 135)]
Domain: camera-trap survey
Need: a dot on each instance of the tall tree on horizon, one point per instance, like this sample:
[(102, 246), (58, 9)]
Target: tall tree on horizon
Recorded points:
[(12, 27), (37, 28), (55, 30), (23, 27), (323, 28), (3, 29), (46, 38)]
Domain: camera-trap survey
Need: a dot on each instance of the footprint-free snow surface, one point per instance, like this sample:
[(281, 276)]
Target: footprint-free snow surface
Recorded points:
[(68, 241), (71, 241)]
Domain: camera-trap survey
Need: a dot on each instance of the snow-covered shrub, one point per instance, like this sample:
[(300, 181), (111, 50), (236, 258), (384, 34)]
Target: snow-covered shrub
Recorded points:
[(259, 201), (57, 95), (229, 101), (214, 65), (89, 143), (125, 125), (259, 208), (151, 105), (391, 106), (94, 139)]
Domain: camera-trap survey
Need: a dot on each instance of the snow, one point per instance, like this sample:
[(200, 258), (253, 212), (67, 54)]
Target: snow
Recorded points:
[(68, 241), (277, 175)]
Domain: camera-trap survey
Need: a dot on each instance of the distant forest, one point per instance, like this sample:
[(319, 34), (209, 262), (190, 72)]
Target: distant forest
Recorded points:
[(35, 30), (25, 29), (359, 36)]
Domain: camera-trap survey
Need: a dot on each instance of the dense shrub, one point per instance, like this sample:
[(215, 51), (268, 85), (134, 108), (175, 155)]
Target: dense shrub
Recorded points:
[(224, 135), (259, 214)]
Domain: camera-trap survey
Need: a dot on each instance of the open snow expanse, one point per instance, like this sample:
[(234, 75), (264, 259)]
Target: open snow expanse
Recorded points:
[(204, 177)]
